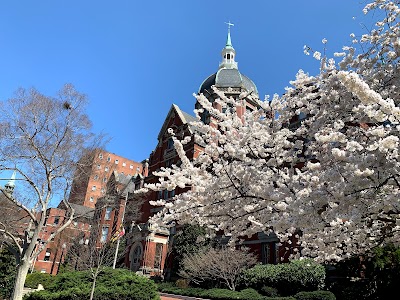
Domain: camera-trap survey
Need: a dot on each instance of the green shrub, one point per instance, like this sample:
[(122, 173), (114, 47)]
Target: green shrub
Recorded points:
[(288, 278), (250, 294), (269, 291), (220, 294), (182, 283), (279, 298), (70, 294), (216, 294), (8, 271), (34, 279), (111, 284), (316, 295)]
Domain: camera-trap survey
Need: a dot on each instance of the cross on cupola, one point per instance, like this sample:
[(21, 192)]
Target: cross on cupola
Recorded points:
[(228, 53)]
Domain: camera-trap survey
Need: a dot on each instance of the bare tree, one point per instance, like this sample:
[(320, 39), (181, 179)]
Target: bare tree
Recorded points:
[(94, 258), (42, 140), (223, 264)]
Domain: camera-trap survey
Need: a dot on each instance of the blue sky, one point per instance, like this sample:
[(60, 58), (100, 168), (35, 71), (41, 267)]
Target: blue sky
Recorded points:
[(135, 58)]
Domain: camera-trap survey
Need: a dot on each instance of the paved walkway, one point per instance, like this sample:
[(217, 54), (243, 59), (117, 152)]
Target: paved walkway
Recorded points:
[(175, 297)]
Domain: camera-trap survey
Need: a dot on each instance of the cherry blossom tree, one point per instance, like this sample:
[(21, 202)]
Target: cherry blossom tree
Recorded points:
[(325, 168)]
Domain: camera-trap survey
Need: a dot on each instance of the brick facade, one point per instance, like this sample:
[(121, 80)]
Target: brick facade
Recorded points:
[(100, 165)]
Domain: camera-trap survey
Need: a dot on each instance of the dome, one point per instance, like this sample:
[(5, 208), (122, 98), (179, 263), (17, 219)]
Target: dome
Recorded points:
[(228, 78), (228, 74)]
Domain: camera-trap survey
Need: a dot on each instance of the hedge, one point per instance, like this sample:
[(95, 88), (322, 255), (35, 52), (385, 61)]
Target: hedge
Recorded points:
[(217, 294), (34, 279), (111, 284), (316, 295), (289, 278)]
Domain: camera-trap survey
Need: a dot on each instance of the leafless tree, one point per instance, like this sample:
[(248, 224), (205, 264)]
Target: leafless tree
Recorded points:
[(41, 139), (91, 256), (223, 264)]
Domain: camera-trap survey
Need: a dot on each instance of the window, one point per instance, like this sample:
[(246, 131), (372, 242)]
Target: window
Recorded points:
[(168, 163), (96, 177), (43, 271), (103, 190), (75, 223), (131, 166), (270, 253), (172, 193), (107, 215), (249, 109), (105, 179), (165, 194), (123, 164), (93, 188), (56, 220), (137, 254), (137, 185), (108, 158), (101, 155), (47, 255), (104, 234), (160, 193), (98, 167), (170, 144), (116, 161), (91, 199), (106, 169), (158, 256)]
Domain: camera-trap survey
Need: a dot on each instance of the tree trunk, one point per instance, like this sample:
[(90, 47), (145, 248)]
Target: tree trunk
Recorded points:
[(22, 271), (93, 287)]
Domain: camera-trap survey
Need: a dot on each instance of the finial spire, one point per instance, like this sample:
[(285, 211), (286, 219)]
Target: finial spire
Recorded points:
[(10, 185), (228, 53), (228, 39)]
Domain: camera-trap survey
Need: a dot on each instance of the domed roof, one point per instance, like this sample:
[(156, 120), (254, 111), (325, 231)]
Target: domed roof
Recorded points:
[(228, 74), (228, 78)]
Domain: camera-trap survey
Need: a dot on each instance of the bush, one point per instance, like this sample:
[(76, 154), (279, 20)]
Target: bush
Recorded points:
[(220, 294), (34, 279), (182, 283), (250, 294), (316, 295), (269, 291), (111, 284), (8, 271), (70, 294), (289, 278), (216, 294)]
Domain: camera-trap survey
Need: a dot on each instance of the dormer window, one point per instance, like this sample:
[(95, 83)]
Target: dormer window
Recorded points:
[(170, 143)]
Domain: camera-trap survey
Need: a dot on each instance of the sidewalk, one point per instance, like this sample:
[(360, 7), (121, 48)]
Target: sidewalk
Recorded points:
[(165, 296)]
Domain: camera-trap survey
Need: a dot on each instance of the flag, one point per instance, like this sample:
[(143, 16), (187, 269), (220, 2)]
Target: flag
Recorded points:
[(118, 234)]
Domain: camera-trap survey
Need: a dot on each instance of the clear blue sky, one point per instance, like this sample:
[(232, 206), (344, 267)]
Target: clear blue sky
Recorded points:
[(135, 58)]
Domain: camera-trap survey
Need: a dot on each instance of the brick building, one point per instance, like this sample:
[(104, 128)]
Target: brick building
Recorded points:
[(50, 258), (106, 189), (100, 164), (148, 246)]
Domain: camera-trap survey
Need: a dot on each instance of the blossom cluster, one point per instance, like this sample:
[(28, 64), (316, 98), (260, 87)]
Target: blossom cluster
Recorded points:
[(333, 176)]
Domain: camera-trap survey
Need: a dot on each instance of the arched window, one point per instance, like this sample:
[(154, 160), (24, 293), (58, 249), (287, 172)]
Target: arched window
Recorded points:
[(135, 256)]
